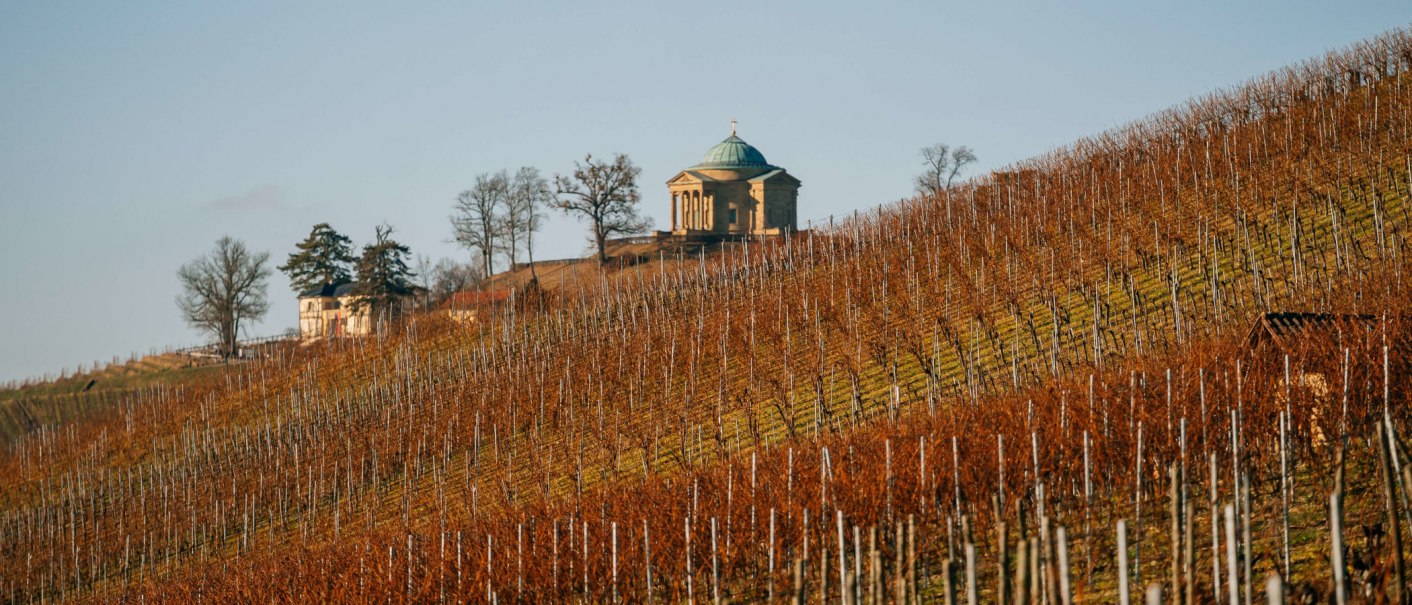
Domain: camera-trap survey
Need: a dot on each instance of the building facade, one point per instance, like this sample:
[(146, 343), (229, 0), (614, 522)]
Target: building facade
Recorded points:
[(328, 311), (733, 191)]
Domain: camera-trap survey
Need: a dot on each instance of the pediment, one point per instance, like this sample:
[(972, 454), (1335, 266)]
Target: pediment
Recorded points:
[(687, 177)]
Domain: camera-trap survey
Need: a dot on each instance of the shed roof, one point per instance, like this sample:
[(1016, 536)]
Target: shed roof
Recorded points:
[(1287, 329)]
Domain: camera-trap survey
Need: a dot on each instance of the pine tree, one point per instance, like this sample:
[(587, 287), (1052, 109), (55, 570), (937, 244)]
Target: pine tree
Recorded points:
[(383, 276), (323, 258)]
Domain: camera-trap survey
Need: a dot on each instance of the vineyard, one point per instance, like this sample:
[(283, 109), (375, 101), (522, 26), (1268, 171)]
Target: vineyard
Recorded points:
[(1038, 386)]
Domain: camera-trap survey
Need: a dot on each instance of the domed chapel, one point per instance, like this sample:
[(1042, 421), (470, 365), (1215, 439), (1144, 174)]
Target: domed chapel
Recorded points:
[(733, 191)]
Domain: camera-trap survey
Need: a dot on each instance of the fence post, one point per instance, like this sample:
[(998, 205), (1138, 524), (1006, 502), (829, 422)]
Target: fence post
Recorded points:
[(647, 558), (949, 587), (1002, 563), (1336, 533), (1232, 572), (1245, 542), (715, 569), (1274, 590), (1393, 518), (771, 552), (1124, 596), (1154, 594), (1022, 568), (1066, 593), (798, 581), (1176, 536), (913, 562), (842, 561), (1189, 553)]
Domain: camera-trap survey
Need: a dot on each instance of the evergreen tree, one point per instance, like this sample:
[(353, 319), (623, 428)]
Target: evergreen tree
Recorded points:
[(323, 258), (383, 276)]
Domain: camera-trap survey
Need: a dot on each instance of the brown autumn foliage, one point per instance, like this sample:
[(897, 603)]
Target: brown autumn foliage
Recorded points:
[(877, 476)]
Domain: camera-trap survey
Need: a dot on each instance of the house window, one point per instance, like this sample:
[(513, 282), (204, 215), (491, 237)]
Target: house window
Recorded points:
[(732, 216)]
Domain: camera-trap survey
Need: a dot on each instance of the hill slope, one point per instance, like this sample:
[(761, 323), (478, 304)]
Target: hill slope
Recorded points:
[(1154, 244)]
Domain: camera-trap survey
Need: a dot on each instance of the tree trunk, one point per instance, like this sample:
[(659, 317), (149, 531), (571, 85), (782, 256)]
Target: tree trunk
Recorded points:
[(529, 251), (514, 239), (228, 338)]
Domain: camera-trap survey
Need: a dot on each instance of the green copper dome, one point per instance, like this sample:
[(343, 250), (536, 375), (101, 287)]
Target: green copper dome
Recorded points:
[(733, 153)]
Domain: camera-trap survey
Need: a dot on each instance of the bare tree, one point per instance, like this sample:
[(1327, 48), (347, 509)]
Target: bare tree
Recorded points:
[(524, 195), (606, 194), (941, 165), (478, 220), (423, 268), (529, 192), (450, 277), (424, 277), (223, 289)]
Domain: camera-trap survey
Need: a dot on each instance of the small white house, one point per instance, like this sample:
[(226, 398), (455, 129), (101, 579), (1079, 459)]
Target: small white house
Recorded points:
[(328, 311)]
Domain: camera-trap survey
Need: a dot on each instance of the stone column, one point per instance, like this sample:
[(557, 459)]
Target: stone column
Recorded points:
[(674, 211)]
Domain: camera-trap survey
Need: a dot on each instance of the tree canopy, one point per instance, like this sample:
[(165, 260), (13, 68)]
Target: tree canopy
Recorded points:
[(325, 257), (477, 220), (383, 275), (941, 164), (526, 193), (223, 289), (449, 277), (606, 194)]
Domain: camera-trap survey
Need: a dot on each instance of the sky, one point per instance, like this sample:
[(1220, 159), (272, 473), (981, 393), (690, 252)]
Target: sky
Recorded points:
[(133, 135)]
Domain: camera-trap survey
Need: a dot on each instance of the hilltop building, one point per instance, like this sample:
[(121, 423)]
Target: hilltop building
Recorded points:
[(733, 191), (328, 311)]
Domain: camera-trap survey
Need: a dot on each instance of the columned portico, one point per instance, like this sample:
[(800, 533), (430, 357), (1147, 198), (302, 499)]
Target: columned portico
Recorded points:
[(733, 191)]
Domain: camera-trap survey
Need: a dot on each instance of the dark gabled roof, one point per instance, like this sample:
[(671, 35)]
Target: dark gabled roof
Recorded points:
[(328, 290), (1285, 330)]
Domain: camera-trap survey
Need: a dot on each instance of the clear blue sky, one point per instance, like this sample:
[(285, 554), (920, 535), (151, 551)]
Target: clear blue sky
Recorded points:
[(131, 137)]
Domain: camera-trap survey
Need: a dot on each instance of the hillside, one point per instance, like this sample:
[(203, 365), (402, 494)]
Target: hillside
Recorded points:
[(1071, 302), (628, 256), (30, 405)]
